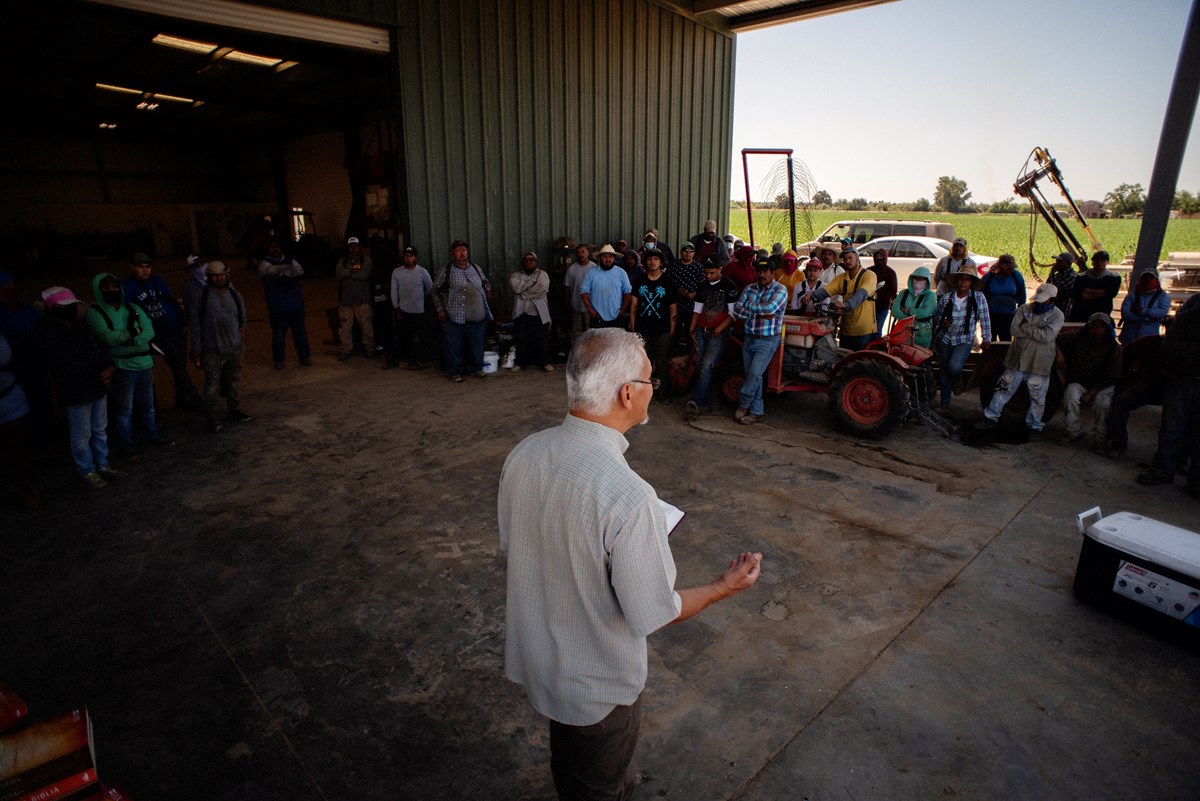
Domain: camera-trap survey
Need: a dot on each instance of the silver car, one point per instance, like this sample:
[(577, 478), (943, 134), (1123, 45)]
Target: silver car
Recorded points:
[(907, 253)]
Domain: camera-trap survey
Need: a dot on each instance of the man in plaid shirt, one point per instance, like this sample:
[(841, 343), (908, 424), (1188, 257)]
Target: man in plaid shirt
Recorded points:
[(761, 306)]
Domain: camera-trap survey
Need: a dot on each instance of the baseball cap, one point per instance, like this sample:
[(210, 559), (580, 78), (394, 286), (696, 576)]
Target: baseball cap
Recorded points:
[(1044, 293), (410, 249), (352, 240), (59, 296), (141, 258), (687, 246), (459, 243)]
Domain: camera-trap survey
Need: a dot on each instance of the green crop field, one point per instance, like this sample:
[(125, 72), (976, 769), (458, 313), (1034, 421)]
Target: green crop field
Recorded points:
[(988, 234)]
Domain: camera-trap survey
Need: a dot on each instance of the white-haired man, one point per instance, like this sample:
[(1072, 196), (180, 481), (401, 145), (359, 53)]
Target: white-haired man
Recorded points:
[(590, 572)]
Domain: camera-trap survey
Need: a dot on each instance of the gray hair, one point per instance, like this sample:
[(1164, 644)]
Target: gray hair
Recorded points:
[(602, 360)]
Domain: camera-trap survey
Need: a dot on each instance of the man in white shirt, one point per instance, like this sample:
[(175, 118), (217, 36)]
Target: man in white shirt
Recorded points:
[(590, 571)]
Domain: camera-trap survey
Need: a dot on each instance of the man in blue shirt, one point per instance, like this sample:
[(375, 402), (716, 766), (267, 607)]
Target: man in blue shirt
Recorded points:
[(606, 293), (151, 292), (762, 305)]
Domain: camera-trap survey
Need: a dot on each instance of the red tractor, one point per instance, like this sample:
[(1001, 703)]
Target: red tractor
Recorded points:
[(871, 391)]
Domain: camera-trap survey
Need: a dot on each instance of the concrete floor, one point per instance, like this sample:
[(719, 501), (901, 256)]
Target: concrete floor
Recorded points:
[(311, 606)]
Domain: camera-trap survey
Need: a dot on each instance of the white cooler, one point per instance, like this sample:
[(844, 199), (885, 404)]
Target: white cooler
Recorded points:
[(1143, 570)]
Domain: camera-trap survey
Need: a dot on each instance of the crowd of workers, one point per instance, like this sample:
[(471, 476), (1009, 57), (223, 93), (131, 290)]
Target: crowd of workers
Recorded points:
[(100, 362)]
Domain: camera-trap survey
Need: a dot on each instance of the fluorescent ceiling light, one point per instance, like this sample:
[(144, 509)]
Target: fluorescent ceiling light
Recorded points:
[(184, 44), (172, 98), (250, 58), (122, 89)]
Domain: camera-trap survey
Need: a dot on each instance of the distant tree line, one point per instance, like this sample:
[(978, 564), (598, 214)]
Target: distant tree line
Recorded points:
[(951, 195)]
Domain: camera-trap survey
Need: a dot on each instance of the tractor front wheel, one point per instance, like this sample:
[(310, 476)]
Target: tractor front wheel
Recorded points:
[(868, 399)]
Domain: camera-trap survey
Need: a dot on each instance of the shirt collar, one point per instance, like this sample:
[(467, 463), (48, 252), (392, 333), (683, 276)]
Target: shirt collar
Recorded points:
[(589, 428)]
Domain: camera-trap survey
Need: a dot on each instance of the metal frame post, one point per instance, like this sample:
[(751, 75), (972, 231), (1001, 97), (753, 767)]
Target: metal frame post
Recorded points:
[(1177, 125)]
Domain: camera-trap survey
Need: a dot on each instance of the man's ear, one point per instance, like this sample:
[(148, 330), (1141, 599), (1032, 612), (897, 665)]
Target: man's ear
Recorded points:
[(625, 396)]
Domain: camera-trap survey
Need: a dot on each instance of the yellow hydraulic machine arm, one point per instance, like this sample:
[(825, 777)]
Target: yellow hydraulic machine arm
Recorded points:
[(1026, 186)]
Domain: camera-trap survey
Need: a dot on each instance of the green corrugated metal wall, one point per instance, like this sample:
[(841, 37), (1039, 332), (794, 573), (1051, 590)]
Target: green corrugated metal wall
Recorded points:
[(526, 120)]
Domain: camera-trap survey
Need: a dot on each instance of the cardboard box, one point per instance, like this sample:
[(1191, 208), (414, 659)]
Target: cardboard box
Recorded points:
[(48, 761), (1142, 570)]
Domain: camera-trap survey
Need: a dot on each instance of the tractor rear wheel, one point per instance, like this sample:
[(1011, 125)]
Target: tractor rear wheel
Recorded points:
[(868, 399), (731, 387)]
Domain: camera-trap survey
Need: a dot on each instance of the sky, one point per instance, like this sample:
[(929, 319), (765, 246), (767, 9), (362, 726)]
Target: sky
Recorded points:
[(880, 102)]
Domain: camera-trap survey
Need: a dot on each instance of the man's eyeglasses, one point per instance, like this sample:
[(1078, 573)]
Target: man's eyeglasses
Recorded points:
[(654, 383)]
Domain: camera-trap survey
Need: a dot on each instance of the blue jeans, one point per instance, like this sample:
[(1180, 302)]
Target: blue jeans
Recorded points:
[(881, 314), (281, 321), (709, 348), (462, 346), (951, 360), (133, 391), (856, 342), (1006, 387), (86, 424), (756, 354)]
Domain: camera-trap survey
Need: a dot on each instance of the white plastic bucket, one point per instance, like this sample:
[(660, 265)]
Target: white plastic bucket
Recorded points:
[(491, 361)]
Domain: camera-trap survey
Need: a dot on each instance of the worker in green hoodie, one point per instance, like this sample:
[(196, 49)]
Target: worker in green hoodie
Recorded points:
[(127, 332), (920, 302)]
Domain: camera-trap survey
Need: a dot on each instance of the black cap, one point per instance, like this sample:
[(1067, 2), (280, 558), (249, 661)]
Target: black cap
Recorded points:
[(410, 249), (713, 261), (459, 243), (763, 264), (653, 252)]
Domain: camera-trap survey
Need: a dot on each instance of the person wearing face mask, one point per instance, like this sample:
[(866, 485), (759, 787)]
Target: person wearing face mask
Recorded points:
[(919, 302), (789, 274), (741, 269), (1144, 309), (651, 241), (531, 315), (82, 371), (127, 331), (1029, 360), (709, 244)]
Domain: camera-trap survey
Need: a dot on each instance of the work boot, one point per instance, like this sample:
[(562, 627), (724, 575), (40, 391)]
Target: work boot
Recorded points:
[(691, 410), (238, 416), (94, 481), (740, 413)]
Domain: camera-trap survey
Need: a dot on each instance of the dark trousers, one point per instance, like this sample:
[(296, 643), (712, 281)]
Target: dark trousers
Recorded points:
[(410, 333), (589, 763), (175, 355), (1179, 435), (281, 321), (1002, 327), (658, 350), (462, 346), (532, 338), (1131, 398)]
